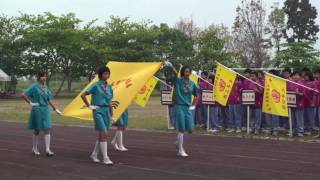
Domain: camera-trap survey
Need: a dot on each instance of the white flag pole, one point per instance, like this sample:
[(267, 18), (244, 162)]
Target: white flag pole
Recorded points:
[(240, 74)]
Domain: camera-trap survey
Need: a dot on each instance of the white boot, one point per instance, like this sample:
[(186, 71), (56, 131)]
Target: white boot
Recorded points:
[(47, 138), (120, 142), (94, 154), (181, 151), (35, 145), (104, 150), (114, 141)]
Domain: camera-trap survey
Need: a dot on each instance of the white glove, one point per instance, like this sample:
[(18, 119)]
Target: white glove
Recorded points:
[(167, 63), (34, 104), (58, 112), (194, 73), (192, 107), (93, 107), (112, 119)]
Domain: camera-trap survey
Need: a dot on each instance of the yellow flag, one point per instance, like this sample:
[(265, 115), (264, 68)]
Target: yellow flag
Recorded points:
[(143, 95), (275, 96), (223, 83), (192, 77), (126, 80)]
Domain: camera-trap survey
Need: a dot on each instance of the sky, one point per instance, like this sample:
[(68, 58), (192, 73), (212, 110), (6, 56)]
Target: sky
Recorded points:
[(203, 12)]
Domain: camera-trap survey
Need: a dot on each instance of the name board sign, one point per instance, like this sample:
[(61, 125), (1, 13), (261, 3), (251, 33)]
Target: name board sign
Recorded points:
[(166, 97), (248, 97), (207, 97), (292, 99)]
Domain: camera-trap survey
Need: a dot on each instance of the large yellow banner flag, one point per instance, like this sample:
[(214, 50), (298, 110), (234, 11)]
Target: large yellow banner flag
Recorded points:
[(223, 82), (126, 80), (275, 96), (143, 95)]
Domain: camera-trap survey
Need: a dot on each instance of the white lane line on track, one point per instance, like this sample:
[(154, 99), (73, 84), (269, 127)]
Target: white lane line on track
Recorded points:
[(197, 163), (146, 141), (128, 166)]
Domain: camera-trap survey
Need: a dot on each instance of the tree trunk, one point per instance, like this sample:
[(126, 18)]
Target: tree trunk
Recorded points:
[(69, 83), (60, 87), (48, 80), (90, 75)]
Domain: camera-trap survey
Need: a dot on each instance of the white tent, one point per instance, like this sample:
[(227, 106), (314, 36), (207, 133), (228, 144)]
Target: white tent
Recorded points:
[(4, 76)]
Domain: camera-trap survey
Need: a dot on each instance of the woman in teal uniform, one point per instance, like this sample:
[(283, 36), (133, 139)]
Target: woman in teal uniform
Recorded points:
[(121, 124), (101, 96), (183, 91), (39, 97)]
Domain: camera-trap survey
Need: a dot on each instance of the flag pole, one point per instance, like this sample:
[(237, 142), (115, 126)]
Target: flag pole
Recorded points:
[(163, 82), (202, 78), (270, 75), (240, 75), (291, 82)]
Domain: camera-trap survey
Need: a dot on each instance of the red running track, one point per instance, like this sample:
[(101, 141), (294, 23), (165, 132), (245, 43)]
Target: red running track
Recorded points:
[(152, 155)]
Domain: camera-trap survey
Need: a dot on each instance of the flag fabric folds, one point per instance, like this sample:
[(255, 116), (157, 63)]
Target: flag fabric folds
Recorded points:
[(223, 82), (126, 80), (275, 96), (144, 93)]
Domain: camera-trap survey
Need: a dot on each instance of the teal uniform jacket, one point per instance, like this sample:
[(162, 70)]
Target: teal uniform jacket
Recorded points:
[(101, 98), (39, 118), (182, 99), (123, 119)]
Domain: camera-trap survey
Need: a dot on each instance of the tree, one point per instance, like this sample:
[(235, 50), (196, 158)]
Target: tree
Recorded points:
[(300, 33), (211, 45), (173, 44), (249, 39), (275, 27), (299, 54), (301, 23), (129, 41), (10, 49), (93, 51), (53, 43), (141, 41), (187, 26)]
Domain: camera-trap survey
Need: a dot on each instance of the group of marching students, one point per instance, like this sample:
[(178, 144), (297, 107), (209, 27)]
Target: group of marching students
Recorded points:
[(39, 97), (233, 117), (186, 111)]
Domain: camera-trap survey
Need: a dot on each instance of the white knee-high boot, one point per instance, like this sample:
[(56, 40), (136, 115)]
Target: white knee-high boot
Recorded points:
[(47, 139), (120, 141), (95, 152), (114, 141), (181, 151), (35, 150), (104, 151)]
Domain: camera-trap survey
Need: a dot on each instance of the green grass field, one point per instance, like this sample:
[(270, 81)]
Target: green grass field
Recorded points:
[(77, 86), (151, 117)]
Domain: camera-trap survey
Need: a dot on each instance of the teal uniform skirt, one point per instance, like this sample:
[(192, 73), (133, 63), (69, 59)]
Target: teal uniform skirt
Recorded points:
[(40, 118), (184, 118), (101, 118), (123, 119)]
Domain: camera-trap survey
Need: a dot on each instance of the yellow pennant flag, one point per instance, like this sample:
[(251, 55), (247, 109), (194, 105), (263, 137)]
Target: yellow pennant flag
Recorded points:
[(143, 95), (223, 82), (192, 77), (275, 96), (126, 80)]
